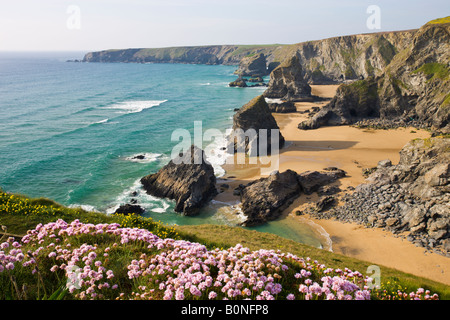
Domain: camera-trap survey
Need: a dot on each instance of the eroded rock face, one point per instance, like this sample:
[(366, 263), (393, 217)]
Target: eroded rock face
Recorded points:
[(256, 115), (287, 82), (412, 91), (191, 185), (352, 102), (412, 197), (253, 66)]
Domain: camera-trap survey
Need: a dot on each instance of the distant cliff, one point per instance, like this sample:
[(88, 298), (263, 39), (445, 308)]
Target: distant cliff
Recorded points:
[(323, 61), (221, 54)]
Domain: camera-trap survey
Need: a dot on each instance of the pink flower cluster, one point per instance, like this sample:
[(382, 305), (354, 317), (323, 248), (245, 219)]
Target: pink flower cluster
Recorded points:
[(176, 269)]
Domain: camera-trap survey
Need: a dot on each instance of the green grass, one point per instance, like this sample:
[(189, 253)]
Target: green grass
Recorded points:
[(19, 214), (434, 70)]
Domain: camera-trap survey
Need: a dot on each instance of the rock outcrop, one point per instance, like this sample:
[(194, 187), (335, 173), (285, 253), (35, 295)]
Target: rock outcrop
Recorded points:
[(411, 198), (257, 116), (190, 184), (265, 199), (353, 102), (287, 82), (128, 209), (413, 90), (283, 107), (239, 82), (254, 65)]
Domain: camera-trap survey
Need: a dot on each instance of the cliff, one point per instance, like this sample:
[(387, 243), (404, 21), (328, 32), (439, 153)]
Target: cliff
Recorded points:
[(413, 88), (323, 61), (410, 198), (220, 54)]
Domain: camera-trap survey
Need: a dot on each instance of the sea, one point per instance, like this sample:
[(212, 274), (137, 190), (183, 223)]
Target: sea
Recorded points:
[(71, 132)]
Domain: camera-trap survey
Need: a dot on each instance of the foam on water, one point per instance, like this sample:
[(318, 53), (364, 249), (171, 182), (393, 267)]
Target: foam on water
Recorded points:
[(144, 157), (135, 106)]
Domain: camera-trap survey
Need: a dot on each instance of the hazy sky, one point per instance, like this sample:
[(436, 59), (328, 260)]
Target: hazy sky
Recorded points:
[(85, 25)]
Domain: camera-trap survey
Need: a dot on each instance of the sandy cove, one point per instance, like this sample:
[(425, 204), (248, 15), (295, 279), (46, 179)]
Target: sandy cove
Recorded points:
[(350, 149)]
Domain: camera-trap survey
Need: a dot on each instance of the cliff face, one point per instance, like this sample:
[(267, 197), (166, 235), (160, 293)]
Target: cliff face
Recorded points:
[(287, 82), (413, 87), (411, 198), (253, 66)]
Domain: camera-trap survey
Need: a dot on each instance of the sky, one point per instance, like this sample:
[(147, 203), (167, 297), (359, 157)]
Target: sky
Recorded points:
[(91, 25)]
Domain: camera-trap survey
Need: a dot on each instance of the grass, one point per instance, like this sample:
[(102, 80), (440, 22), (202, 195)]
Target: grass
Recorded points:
[(434, 70), (19, 214), (440, 20)]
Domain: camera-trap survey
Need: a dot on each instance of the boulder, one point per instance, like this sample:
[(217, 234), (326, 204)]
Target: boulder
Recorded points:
[(128, 209), (284, 107), (265, 199), (240, 82), (311, 181), (188, 179)]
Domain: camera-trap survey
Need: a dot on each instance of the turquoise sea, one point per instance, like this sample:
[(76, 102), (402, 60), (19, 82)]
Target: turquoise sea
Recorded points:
[(69, 131)]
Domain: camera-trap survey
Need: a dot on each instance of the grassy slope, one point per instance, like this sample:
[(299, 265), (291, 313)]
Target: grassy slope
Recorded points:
[(19, 214)]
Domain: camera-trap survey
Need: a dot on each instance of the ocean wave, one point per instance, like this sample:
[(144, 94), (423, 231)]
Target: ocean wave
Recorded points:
[(144, 157), (137, 193), (216, 155), (101, 121), (134, 106)]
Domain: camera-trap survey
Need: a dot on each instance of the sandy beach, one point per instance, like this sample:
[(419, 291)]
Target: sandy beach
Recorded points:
[(350, 149)]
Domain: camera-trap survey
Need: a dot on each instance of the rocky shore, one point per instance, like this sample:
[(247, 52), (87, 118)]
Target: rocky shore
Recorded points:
[(410, 199)]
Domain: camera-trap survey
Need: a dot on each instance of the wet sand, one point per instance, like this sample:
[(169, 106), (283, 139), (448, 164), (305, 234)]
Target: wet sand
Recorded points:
[(350, 149)]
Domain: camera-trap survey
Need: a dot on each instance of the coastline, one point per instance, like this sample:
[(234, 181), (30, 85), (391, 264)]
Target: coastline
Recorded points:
[(351, 149)]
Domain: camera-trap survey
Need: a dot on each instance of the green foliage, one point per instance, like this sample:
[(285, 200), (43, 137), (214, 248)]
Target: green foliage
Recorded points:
[(434, 70), (440, 20)]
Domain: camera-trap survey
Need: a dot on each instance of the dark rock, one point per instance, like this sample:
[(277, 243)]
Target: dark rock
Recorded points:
[(189, 180), (240, 82), (284, 107), (325, 203), (128, 209), (265, 199), (311, 181)]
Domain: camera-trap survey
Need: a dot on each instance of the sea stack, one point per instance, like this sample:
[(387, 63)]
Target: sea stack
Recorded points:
[(189, 182), (287, 82), (256, 115)]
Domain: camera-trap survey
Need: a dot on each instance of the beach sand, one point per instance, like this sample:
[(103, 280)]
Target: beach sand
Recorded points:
[(350, 149)]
